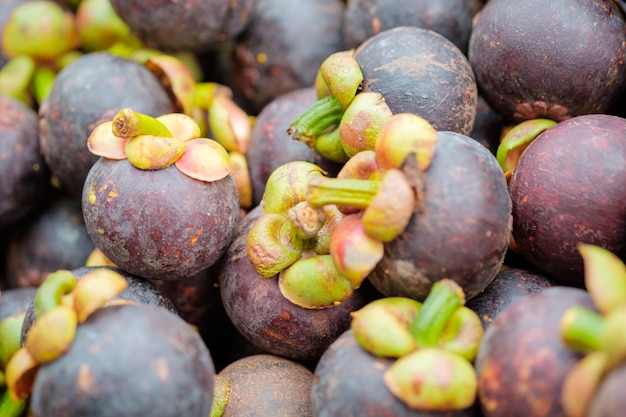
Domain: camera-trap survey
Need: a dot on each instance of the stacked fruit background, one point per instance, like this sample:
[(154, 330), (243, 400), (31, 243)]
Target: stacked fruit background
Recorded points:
[(322, 208)]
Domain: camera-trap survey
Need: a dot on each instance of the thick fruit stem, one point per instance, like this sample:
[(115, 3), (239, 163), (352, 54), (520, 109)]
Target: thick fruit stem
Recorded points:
[(582, 329), (349, 192), (445, 297), (321, 117), (10, 407), (128, 123)]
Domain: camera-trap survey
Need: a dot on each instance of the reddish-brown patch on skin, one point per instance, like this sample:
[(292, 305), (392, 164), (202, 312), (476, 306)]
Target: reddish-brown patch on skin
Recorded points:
[(418, 381), (195, 237), (444, 370)]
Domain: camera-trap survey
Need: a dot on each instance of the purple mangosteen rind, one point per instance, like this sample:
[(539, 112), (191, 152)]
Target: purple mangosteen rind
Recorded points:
[(423, 71), (578, 199), (523, 360), (158, 224)]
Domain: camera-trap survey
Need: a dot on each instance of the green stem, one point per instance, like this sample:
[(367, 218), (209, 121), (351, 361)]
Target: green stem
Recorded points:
[(582, 329), (128, 124), (52, 290), (350, 192), (445, 297), (10, 407), (323, 115)]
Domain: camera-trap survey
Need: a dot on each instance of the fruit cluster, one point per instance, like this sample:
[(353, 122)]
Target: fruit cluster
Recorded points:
[(317, 208)]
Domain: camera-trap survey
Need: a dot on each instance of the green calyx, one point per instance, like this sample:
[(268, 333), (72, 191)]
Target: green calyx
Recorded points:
[(433, 342), (598, 333), (517, 139), (61, 303)]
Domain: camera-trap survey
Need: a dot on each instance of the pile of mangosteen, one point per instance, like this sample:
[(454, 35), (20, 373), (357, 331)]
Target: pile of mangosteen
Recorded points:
[(317, 208)]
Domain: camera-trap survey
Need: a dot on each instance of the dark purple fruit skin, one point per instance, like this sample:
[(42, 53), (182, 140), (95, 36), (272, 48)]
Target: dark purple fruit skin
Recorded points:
[(158, 224), (522, 360), (53, 238), (271, 146), (464, 230), (528, 66), (450, 18), (568, 187), (90, 91), (488, 126), (609, 400), (15, 301), (128, 360), (506, 287), (267, 385), (282, 49), (184, 25), (348, 381), (420, 71), (139, 290), (24, 177), (264, 316), (195, 297)]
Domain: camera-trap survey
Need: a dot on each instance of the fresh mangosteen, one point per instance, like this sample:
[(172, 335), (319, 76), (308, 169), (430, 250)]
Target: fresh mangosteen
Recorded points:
[(522, 360), (206, 24), (263, 385), (452, 18), (508, 285), (528, 67), (161, 202), (89, 91), (54, 237), (271, 146), (400, 70), (460, 228), (348, 380), (281, 49), (131, 360), (259, 310), (567, 188), (24, 177)]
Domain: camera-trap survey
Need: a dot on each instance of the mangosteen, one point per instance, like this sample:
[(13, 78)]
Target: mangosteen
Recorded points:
[(264, 385), (528, 67), (131, 360), (403, 70), (281, 48), (522, 360), (161, 202), (567, 189), (488, 126), (271, 146), (87, 92), (206, 24), (461, 227), (508, 285), (348, 380), (259, 310), (54, 237), (24, 176), (15, 301), (452, 19)]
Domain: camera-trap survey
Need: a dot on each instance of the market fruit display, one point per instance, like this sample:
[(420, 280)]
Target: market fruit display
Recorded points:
[(312, 208)]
